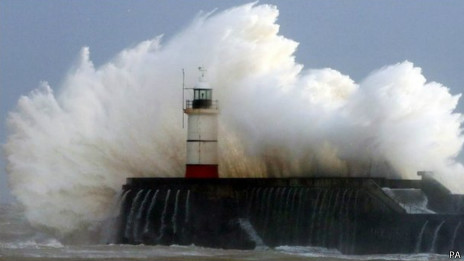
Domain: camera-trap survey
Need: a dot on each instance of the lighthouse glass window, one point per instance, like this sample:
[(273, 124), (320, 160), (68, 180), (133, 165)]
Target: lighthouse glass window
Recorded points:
[(202, 94)]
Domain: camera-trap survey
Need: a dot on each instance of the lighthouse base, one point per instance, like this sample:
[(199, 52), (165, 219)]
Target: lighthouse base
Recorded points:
[(201, 171)]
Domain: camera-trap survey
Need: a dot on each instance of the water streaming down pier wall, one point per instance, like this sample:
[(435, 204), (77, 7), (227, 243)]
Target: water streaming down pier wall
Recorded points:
[(353, 215)]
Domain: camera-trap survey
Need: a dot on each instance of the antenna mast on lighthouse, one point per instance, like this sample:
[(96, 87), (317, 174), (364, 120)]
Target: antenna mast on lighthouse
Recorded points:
[(202, 111)]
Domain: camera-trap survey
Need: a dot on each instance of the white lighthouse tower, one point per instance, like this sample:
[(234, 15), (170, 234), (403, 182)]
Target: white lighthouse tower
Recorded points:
[(202, 111)]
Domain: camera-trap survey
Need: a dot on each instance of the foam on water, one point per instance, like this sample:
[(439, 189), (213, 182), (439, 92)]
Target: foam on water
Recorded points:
[(333, 254), (414, 201)]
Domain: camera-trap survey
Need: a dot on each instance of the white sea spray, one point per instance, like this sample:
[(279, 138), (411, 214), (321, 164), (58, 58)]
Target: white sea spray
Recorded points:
[(69, 150)]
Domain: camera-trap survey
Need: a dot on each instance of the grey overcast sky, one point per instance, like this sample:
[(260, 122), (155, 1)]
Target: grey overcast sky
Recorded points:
[(39, 40)]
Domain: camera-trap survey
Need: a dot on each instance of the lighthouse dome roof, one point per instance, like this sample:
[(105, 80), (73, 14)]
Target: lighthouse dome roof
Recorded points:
[(202, 85)]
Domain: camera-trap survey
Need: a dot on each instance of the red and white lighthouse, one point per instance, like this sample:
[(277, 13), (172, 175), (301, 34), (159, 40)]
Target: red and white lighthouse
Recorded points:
[(202, 111)]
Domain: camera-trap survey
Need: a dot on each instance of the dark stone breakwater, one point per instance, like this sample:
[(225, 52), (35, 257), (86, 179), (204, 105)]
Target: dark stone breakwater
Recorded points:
[(353, 215)]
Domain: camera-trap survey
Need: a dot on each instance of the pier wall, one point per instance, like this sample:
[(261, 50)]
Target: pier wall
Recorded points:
[(353, 215)]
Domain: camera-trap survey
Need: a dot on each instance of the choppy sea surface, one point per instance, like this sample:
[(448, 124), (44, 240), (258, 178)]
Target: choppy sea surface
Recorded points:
[(21, 242)]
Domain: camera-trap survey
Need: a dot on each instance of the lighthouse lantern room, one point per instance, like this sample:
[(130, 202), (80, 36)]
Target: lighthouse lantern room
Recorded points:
[(202, 111)]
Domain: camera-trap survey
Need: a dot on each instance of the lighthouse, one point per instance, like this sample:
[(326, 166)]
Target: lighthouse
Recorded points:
[(202, 112)]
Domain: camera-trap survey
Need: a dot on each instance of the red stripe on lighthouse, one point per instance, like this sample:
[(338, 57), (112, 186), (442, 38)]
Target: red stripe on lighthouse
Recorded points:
[(201, 171)]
